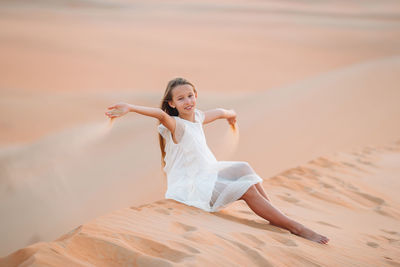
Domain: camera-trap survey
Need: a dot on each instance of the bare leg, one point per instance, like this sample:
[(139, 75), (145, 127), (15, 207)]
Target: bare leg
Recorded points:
[(261, 191), (264, 209)]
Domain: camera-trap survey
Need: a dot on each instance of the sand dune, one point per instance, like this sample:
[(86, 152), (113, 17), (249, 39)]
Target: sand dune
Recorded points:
[(336, 194), (84, 172), (87, 171)]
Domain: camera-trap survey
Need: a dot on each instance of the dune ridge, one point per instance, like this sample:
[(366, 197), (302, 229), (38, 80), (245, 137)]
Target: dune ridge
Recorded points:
[(348, 196)]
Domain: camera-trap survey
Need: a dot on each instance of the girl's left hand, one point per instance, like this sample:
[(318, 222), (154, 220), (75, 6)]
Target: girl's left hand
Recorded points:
[(231, 117)]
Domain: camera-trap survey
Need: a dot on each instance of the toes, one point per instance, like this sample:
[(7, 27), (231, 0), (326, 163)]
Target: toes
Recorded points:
[(325, 239), (322, 239)]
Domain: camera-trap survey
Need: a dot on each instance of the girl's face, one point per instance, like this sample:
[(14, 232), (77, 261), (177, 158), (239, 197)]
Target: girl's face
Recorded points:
[(183, 99)]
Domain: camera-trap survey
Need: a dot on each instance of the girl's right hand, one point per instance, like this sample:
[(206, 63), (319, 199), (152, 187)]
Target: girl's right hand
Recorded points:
[(118, 110)]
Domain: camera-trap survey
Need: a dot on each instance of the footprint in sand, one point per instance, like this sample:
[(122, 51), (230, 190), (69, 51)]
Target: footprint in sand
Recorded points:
[(181, 228), (390, 232), (323, 162), (374, 199), (140, 207), (351, 165), (391, 262), (373, 244), (327, 185)]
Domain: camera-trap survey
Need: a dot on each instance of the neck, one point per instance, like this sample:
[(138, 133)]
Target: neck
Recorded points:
[(189, 117)]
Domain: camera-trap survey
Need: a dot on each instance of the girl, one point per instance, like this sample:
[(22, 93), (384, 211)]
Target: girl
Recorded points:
[(194, 176)]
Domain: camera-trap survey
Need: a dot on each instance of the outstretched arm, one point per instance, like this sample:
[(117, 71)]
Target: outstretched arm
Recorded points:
[(219, 113), (122, 108)]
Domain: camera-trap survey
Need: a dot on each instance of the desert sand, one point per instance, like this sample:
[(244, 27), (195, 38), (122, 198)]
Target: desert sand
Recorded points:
[(351, 197), (315, 87)]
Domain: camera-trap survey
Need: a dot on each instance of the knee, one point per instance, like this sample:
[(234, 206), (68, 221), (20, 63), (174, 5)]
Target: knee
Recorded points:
[(250, 193), (245, 168)]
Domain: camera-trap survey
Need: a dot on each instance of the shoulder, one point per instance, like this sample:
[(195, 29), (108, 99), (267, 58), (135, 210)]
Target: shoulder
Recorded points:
[(161, 126), (168, 122), (174, 135)]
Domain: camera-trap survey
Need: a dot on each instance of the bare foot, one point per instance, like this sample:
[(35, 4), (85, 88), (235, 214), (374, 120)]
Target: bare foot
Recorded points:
[(310, 235)]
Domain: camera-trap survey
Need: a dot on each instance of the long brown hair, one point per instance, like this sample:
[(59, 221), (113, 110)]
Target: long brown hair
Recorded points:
[(170, 110)]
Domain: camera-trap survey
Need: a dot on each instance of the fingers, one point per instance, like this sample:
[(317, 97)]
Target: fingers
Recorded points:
[(113, 111), (110, 115)]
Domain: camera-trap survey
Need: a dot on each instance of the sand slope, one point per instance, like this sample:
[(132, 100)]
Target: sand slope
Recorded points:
[(350, 197), (84, 172)]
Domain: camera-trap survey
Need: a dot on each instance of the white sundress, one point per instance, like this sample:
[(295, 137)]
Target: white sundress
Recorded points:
[(194, 176)]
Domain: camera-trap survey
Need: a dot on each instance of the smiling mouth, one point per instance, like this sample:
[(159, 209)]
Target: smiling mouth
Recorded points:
[(187, 108)]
